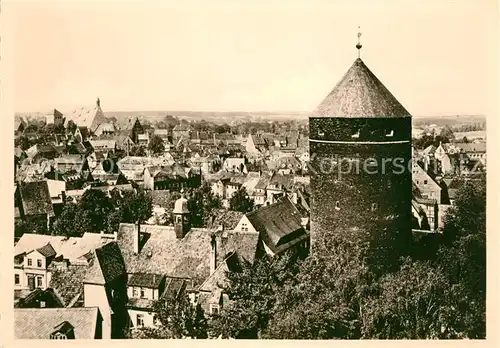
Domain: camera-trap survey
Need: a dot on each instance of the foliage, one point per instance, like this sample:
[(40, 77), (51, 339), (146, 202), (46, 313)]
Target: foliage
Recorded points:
[(97, 205), (156, 145), (202, 204), (241, 202), (138, 150), (335, 293), (73, 221), (23, 142)]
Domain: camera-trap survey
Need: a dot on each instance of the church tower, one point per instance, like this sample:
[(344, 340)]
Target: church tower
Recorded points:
[(360, 148)]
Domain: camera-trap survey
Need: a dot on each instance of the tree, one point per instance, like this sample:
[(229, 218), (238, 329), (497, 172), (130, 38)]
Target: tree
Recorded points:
[(413, 303), (202, 204), (72, 222), (465, 140), (241, 202), (97, 206), (156, 145), (138, 150), (23, 142), (136, 206)]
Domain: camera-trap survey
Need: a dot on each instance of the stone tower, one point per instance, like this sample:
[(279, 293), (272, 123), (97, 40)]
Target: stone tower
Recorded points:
[(360, 147)]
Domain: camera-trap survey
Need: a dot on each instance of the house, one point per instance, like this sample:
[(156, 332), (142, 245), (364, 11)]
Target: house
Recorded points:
[(280, 226), (104, 287), (72, 164), (277, 186), (474, 151), (143, 289), (428, 187), (19, 124), (34, 254), (37, 298), (285, 165), (103, 145), (34, 202), (54, 117), (87, 116), (57, 323), (143, 139), (38, 151), (235, 165), (81, 134), (174, 176), (426, 210), (180, 251), (106, 128), (182, 130), (256, 144)]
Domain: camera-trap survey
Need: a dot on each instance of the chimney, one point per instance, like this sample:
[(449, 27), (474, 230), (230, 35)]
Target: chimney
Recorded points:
[(115, 236), (137, 239), (213, 254)]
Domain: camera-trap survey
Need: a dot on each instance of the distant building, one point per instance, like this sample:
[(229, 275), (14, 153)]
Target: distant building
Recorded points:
[(181, 131), (87, 116), (54, 117)]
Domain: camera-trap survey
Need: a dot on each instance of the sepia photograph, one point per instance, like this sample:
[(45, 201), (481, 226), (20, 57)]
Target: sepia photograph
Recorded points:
[(291, 170)]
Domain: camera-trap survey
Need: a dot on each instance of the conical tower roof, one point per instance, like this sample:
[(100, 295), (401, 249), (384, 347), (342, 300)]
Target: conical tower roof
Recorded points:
[(360, 94)]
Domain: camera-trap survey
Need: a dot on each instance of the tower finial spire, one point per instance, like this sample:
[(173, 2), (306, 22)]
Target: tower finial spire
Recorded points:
[(358, 45)]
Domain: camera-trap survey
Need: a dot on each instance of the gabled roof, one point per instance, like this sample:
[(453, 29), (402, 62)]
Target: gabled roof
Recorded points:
[(145, 280), (87, 116), (360, 94), (35, 198), (37, 323), (47, 250), (280, 224), (188, 257), (108, 265), (67, 281)]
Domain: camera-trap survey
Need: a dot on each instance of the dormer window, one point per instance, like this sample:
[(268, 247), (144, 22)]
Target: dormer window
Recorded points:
[(214, 308), (374, 206), (321, 133), (389, 133), (355, 135)]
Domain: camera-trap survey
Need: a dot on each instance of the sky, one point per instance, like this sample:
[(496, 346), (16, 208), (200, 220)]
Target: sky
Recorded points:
[(436, 57)]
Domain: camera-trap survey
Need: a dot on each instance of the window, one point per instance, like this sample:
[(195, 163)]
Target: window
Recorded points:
[(337, 205), (321, 133), (155, 320), (39, 263), (39, 281), (29, 262), (389, 133), (140, 320), (135, 292), (42, 304), (356, 134), (214, 308), (58, 336), (244, 227), (374, 206), (16, 279), (143, 293), (425, 182)]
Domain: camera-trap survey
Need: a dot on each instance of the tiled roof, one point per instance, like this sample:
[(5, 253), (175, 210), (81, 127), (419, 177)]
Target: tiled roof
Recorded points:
[(189, 257), (182, 127), (145, 280), (47, 250), (70, 248), (67, 281), (140, 303), (227, 218), (360, 94), (277, 223), (108, 144), (107, 265), (173, 288), (36, 323), (472, 147), (35, 198), (87, 116)]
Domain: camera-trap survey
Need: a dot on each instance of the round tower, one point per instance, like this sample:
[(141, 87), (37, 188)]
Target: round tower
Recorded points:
[(360, 148)]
